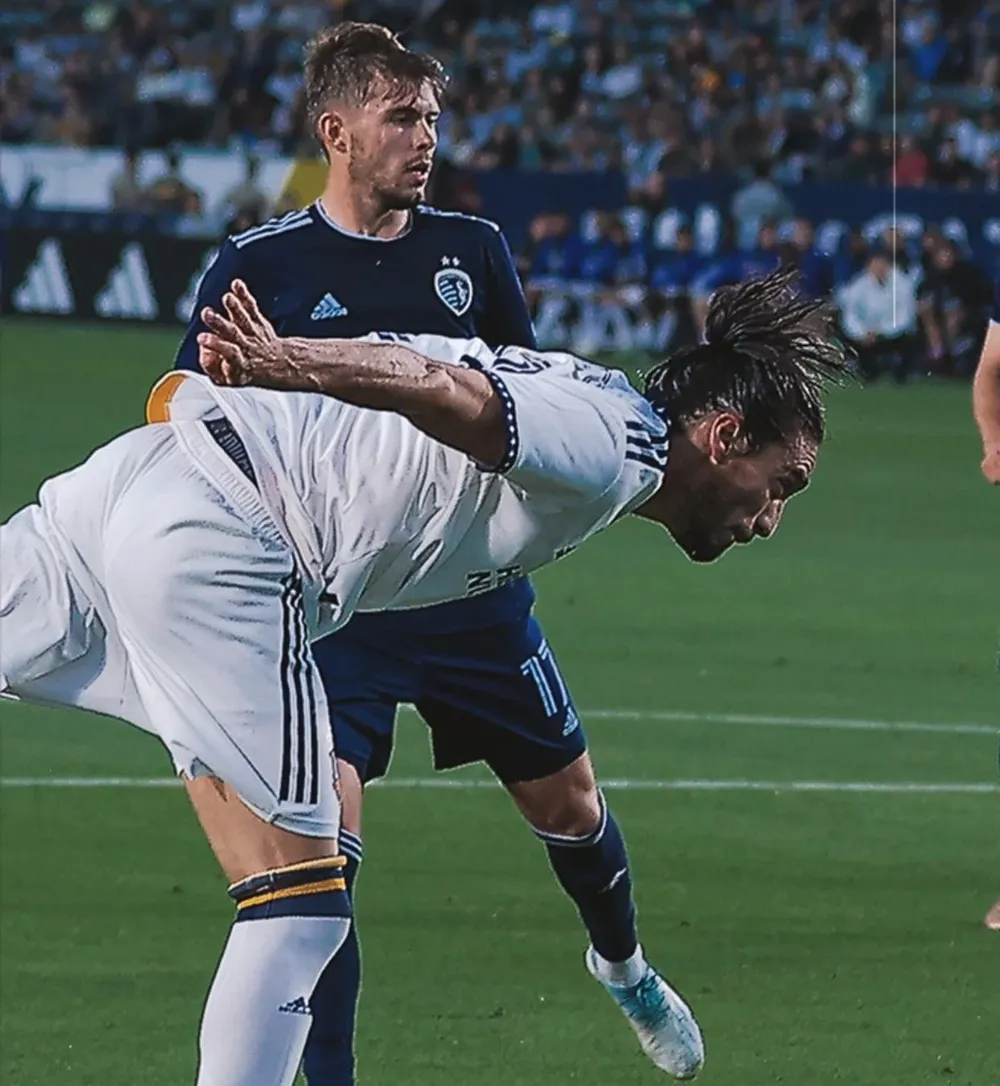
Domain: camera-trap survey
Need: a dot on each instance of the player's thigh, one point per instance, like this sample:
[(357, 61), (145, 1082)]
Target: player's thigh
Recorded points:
[(209, 606), (243, 843), (497, 695), (364, 683), (43, 619)]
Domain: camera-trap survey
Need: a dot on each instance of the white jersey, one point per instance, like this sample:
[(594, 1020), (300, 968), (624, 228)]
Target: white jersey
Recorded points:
[(383, 517)]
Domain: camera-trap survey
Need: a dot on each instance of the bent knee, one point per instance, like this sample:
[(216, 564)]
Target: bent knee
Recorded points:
[(578, 818)]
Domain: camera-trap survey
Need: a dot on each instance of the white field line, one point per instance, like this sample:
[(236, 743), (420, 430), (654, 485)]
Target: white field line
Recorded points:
[(828, 723), (464, 784), (670, 716)]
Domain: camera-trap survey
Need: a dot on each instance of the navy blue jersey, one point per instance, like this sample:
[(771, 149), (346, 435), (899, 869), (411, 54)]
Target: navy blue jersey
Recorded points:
[(450, 275), (995, 312)]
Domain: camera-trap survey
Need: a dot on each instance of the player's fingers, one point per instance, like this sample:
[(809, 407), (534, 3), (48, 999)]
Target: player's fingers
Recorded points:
[(230, 352), (212, 364), (249, 303), (222, 326), (239, 314)]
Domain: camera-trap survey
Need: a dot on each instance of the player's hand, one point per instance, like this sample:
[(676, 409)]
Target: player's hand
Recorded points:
[(242, 347), (991, 465)]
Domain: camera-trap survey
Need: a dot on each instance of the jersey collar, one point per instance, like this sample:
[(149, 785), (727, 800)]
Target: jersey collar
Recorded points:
[(325, 217)]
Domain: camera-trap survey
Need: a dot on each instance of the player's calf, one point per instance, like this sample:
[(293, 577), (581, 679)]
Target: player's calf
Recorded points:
[(329, 1053), (587, 852), (292, 915)]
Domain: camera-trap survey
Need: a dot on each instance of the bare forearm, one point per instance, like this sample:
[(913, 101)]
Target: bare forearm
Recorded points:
[(454, 405), (986, 390)]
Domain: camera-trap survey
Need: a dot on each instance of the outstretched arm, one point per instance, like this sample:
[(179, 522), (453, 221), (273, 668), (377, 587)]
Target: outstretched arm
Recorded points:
[(452, 404), (986, 402)]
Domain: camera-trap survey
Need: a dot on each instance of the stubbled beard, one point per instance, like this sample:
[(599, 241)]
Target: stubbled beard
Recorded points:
[(389, 199)]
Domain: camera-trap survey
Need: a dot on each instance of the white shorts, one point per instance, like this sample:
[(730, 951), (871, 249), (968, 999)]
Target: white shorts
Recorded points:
[(151, 584)]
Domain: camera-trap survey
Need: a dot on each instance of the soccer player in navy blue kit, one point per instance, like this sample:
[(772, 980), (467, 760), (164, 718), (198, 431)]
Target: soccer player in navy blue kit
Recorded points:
[(368, 257)]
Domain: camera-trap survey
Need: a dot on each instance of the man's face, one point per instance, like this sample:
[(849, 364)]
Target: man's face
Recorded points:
[(802, 234), (728, 495), (390, 143), (878, 265)]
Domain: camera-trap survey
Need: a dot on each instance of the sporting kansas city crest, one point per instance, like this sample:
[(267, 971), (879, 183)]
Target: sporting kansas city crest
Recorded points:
[(453, 285)]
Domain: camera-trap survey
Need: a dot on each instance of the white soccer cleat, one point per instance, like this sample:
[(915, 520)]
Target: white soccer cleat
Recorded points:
[(662, 1021)]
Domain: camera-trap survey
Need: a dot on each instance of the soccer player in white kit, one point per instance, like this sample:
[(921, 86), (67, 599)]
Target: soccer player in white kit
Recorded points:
[(176, 578)]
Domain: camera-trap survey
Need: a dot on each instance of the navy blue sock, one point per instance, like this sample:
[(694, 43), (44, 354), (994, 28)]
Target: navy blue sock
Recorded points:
[(329, 1054), (594, 871)]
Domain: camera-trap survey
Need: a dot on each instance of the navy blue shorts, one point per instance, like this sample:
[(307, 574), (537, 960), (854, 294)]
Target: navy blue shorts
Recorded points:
[(492, 694)]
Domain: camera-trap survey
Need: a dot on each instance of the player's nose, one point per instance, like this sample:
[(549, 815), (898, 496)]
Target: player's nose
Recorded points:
[(426, 136), (769, 520)]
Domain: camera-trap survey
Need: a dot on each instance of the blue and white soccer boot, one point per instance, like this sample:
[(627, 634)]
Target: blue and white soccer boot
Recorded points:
[(662, 1021)]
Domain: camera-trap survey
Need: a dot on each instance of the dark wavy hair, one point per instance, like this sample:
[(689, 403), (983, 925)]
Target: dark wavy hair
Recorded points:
[(351, 61), (769, 354)]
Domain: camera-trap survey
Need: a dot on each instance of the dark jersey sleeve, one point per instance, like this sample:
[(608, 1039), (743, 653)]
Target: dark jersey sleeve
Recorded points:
[(506, 320), (995, 312), (229, 264)]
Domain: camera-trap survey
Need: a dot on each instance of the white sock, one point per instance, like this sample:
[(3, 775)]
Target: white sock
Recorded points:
[(257, 1019), (624, 974)]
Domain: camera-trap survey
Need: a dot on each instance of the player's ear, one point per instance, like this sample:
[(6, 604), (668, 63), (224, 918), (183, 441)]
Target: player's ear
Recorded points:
[(724, 436), (332, 132)]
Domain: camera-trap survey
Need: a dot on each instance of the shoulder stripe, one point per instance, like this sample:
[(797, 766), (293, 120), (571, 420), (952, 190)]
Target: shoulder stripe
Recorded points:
[(648, 461), (660, 432), (278, 220), (425, 209), (638, 441), (294, 221), (647, 453)]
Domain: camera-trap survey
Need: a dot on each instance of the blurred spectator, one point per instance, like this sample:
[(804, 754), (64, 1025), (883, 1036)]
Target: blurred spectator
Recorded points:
[(731, 264), (549, 256), (756, 202), (671, 278), (912, 165), (878, 309), (863, 163), (991, 173), (815, 268), (608, 258), (126, 192), (948, 169), (171, 194), (247, 204), (954, 307), (674, 270), (928, 53), (502, 150)]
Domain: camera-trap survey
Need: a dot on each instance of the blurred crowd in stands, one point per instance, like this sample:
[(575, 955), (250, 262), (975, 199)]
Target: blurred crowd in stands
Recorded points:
[(909, 306), (772, 91), (647, 86)]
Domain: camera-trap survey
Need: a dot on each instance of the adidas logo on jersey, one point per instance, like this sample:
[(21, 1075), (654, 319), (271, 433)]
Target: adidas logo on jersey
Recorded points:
[(46, 287), (295, 1006), (128, 293), (327, 308)]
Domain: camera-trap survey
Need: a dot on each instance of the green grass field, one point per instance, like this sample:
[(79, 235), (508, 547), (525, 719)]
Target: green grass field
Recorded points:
[(824, 935)]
